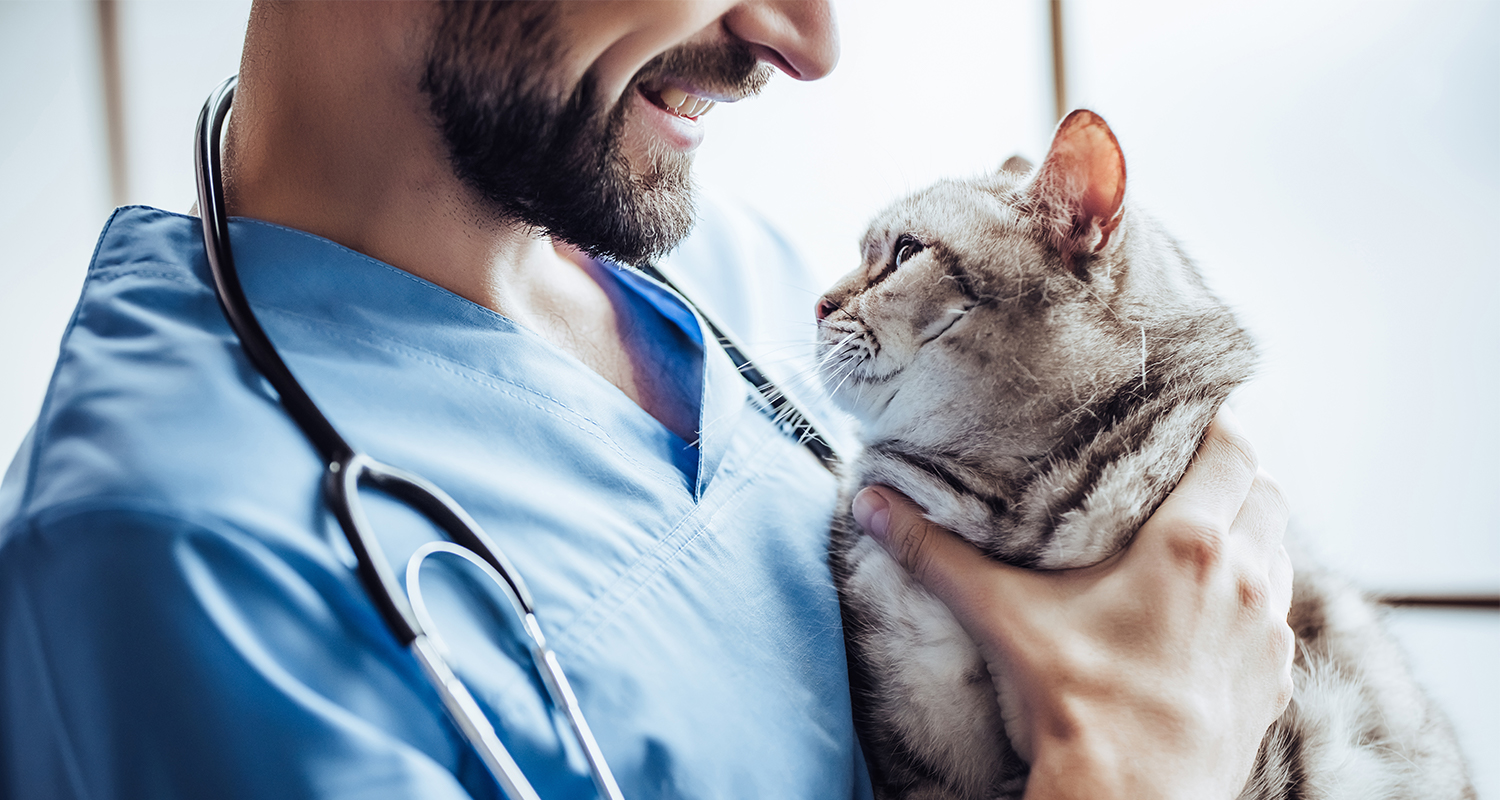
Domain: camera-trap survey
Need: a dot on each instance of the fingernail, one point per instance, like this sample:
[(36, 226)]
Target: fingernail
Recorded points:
[(873, 513)]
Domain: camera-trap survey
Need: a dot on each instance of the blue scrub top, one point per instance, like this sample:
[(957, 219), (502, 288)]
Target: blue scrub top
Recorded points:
[(178, 614)]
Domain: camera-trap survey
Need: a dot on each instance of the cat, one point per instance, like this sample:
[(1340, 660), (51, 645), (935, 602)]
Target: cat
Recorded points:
[(1034, 361)]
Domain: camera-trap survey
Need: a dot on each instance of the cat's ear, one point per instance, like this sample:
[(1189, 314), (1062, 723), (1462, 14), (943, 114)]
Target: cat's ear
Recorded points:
[(1080, 187), (1016, 164)]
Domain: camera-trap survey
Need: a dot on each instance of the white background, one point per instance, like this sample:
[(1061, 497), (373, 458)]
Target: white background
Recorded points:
[(1333, 165)]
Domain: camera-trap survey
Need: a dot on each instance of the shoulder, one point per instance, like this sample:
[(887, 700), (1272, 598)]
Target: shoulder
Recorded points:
[(149, 405)]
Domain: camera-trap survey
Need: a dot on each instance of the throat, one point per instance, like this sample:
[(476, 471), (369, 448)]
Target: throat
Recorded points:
[(623, 338)]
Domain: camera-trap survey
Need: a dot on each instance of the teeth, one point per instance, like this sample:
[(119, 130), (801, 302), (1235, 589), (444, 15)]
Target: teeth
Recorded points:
[(683, 104), (673, 97)]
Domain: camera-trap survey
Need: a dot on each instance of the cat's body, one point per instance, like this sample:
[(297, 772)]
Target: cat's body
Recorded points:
[(1035, 363)]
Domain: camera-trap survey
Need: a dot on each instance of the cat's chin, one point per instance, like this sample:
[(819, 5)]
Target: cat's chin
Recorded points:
[(1045, 430), (870, 400), (866, 415)]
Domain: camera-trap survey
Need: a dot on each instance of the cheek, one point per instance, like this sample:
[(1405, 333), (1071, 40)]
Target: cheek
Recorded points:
[(990, 356), (899, 324), (915, 309), (613, 40)]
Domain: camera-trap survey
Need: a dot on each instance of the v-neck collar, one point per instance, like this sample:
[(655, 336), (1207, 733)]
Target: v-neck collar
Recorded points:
[(292, 273), (724, 390)]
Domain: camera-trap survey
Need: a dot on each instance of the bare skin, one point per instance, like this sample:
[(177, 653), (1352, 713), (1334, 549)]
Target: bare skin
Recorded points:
[(331, 135)]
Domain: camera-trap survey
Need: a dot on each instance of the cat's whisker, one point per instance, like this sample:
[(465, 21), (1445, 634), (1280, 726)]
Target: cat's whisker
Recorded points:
[(834, 350), (782, 355), (827, 376), (774, 345), (1024, 370), (1143, 359), (1061, 473), (859, 395), (1103, 302), (852, 368), (802, 378)]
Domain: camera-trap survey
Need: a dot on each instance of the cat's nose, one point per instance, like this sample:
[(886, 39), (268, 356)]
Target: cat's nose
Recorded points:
[(825, 307)]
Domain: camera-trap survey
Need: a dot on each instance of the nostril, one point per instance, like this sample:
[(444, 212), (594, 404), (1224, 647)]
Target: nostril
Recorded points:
[(825, 307)]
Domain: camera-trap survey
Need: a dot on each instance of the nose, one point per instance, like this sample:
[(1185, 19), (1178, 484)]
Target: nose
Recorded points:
[(799, 37), (824, 307)]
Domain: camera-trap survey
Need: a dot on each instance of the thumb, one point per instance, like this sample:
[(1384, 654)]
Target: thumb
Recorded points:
[(967, 581)]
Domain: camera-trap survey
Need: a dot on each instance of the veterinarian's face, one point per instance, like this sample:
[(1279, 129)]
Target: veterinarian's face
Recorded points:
[(580, 118)]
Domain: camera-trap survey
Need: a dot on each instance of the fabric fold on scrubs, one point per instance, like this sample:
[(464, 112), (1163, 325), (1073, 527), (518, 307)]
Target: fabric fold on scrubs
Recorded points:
[(179, 618)]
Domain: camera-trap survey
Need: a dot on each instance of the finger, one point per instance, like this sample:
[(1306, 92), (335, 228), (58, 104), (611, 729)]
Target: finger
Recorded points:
[(967, 581), (1282, 579), (1257, 534), (1215, 486), (1265, 579), (1262, 520)]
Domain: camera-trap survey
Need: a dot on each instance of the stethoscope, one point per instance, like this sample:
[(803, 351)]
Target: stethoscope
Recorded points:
[(347, 469)]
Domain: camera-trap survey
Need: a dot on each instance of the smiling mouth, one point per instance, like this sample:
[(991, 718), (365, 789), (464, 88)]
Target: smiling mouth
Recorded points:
[(678, 103)]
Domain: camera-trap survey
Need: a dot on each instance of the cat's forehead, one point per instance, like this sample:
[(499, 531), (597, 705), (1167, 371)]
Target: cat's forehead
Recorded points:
[(960, 214)]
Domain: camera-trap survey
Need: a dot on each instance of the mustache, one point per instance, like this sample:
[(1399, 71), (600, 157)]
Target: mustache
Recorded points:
[(729, 69)]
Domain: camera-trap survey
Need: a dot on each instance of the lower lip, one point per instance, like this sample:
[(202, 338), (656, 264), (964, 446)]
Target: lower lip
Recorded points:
[(680, 133)]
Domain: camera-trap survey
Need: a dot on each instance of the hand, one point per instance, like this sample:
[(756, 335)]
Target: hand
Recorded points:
[(1154, 674)]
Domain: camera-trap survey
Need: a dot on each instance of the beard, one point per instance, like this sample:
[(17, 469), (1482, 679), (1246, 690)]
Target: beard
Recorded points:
[(551, 157)]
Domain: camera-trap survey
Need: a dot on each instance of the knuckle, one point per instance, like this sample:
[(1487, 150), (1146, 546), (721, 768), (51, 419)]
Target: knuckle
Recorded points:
[(1254, 593), (1278, 660), (1237, 450), (1270, 494), (1283, 643), (1283, 575), (1285, 692), (1288, 684), (1198, 546), (916, 550)]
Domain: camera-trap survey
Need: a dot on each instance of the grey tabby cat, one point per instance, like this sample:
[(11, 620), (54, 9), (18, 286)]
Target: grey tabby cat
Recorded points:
[(1035, 362)]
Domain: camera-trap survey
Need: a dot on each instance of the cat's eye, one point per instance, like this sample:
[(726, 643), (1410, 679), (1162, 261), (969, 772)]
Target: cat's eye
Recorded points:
[(906, 247)]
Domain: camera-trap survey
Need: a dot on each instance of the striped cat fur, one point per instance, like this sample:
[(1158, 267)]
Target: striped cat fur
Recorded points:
[(1034, 361)]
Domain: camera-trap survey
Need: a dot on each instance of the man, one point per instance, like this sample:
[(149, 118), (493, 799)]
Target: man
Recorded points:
[(433, 196)]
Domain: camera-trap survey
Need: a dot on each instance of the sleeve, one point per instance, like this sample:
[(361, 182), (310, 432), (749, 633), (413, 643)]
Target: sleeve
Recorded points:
[(144, 656)]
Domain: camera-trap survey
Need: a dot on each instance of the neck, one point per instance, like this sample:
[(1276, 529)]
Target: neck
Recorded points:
[(332, 136)]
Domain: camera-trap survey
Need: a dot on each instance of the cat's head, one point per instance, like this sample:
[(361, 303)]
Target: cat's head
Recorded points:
[(992, 316)]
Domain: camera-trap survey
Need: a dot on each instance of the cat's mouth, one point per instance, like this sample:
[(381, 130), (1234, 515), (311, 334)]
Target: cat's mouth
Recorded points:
[(944, 323), (849, 357)]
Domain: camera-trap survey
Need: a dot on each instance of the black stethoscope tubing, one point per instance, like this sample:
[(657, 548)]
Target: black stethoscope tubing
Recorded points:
[(346, 469)]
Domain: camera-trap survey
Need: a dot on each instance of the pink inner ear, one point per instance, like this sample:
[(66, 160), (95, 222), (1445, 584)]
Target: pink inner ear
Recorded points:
[(1085, 171)]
